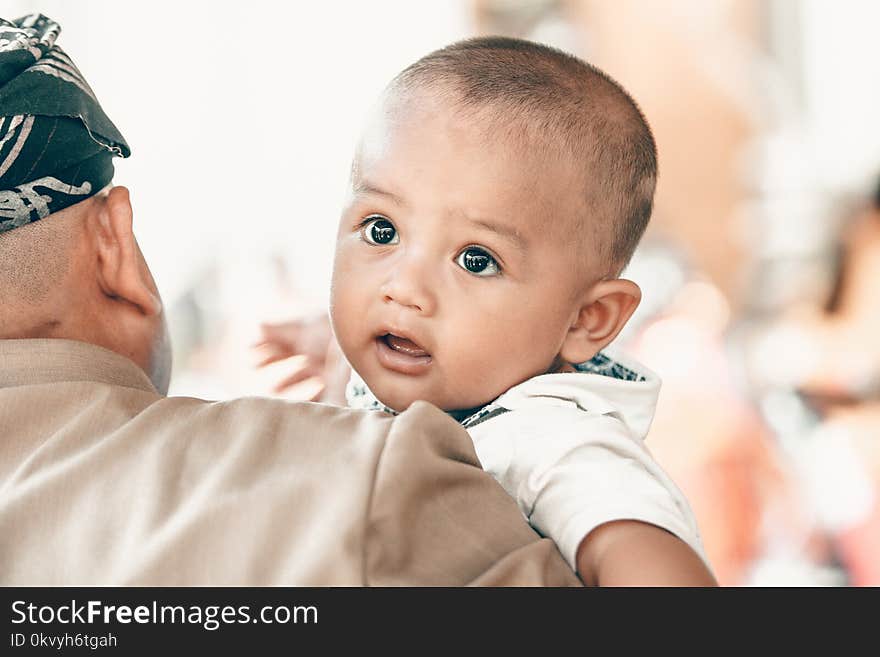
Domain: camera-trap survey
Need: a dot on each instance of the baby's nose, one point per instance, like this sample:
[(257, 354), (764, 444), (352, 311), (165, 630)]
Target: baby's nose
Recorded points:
[(409, 286)]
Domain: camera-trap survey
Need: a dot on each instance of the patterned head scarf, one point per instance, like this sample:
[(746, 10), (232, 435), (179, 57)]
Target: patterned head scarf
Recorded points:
[(56, 143)]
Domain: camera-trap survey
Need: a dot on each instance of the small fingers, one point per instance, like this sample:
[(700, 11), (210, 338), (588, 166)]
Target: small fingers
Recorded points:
[(318, 396), (284, 333), (274, 355), (306, 372)]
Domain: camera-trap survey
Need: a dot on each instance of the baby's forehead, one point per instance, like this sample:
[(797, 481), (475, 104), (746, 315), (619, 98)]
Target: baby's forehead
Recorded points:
[(549, 108), (524, 143), (532, 179)]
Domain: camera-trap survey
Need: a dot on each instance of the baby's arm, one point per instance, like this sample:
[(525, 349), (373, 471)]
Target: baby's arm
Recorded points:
[(633, 553), (587, 483)]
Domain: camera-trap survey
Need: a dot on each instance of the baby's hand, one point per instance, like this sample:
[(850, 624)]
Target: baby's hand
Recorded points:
[(312, 339)]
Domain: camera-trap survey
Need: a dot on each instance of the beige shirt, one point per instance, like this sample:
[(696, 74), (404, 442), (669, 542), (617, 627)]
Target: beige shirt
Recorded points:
[(103, 481)]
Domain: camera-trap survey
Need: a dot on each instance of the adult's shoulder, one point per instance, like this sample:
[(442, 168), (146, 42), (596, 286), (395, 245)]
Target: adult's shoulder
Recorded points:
[(262, 492), (262, 417)]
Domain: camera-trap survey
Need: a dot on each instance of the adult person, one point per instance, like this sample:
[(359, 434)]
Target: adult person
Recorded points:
[(105, 480)]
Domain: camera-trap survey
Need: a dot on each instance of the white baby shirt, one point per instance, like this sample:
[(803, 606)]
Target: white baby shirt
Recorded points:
[(569, 449)]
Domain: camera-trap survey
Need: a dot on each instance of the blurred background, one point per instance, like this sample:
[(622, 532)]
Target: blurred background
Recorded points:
[(760, 269)]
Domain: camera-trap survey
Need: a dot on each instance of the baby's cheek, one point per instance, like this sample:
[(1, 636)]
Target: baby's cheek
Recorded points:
[(483, 363), (343, 317)]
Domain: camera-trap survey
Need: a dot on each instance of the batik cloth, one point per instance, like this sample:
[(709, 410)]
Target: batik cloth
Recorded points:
[(56, 143)]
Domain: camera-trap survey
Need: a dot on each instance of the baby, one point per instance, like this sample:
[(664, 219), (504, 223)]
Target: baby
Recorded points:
[(496, 195)]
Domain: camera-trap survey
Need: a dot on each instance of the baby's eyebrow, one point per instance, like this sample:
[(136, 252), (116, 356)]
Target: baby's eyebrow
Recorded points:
[(362, 187), (505, 232)]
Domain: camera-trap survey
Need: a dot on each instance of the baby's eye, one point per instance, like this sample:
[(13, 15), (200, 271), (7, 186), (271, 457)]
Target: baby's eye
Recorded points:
[(378, 230), (478, 262)]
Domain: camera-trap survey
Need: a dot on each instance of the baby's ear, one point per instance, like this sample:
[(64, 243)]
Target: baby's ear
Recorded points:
[(605, 309)]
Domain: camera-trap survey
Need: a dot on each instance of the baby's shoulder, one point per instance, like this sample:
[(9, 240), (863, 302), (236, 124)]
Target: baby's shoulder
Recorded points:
[(547, 420), (535, 437), (609, 394)]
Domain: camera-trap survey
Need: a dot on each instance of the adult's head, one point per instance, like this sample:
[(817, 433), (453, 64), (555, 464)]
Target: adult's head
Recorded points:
[(69, 263)]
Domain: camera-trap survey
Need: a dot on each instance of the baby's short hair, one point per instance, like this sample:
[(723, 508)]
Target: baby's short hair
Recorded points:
[(573, 105)]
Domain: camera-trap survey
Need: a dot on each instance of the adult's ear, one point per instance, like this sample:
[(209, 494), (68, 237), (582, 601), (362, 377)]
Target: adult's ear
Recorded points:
[(122, 271), (605, 309)]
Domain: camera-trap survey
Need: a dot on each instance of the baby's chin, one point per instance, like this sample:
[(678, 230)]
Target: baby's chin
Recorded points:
[(400, 400)]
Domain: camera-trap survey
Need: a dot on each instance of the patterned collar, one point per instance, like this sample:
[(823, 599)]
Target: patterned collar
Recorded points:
[(358, 395)]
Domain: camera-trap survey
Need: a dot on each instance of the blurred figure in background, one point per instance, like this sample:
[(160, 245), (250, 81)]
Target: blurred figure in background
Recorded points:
[(842, 353), (835, 382)]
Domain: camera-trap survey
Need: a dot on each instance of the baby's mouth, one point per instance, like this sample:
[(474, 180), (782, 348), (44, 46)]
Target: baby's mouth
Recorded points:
[(403, 345), (402, 355)]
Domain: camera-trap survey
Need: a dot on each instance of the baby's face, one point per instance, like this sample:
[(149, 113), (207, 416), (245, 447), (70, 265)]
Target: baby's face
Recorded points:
[(455, 276)]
